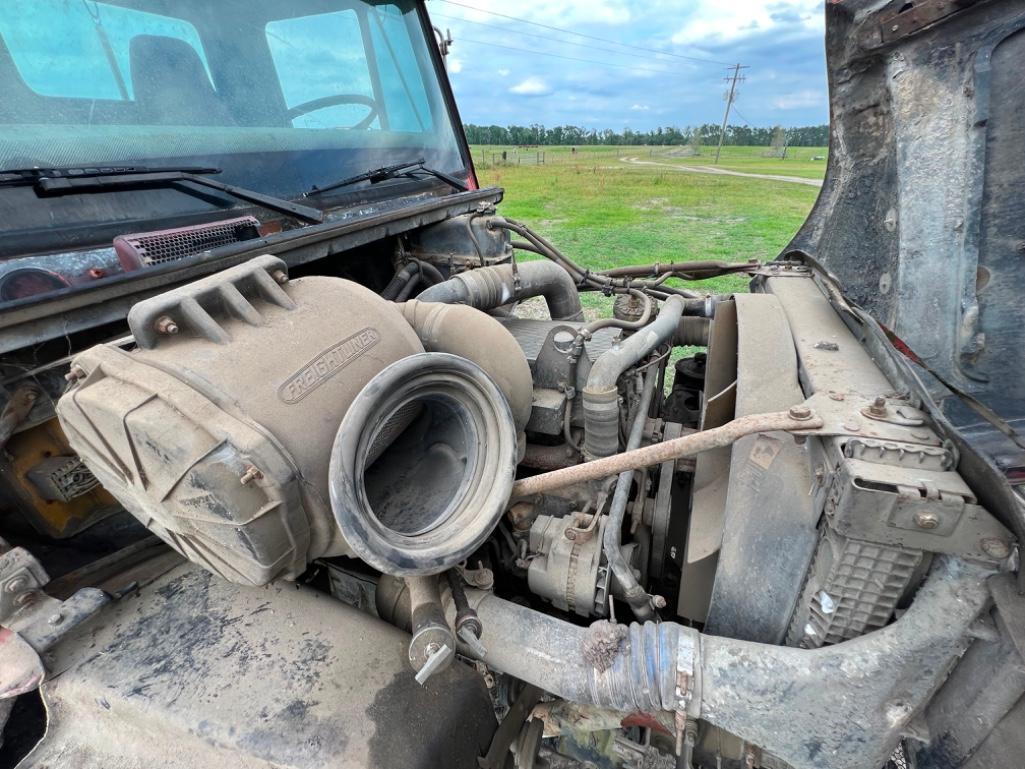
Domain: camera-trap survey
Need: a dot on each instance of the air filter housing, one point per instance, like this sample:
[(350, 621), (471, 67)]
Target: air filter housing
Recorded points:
[(217, 431)]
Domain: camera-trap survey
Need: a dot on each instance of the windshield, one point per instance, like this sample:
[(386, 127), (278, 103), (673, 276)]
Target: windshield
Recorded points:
[(279, 95)]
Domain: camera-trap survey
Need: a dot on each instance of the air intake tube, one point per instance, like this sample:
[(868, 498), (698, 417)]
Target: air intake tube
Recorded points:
[(491, 287), (443, 328), (423, 463)]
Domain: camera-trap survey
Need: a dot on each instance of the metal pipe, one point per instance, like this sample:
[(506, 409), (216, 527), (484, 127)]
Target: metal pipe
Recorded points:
[(601, 393), (628, 325), (700, 270), (624, 667), (656, 453), (491, 287), (612, 540), (585, 278), (433, 644), (781, 698)]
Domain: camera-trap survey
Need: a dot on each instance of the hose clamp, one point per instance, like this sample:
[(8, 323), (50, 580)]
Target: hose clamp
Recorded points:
[(686, 670)]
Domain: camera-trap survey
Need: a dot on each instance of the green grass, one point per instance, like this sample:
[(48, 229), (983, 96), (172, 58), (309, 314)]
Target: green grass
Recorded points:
[(798, 162), (605, 213)]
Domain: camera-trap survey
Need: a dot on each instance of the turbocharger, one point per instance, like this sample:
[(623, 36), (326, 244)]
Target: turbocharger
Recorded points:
[(263, 422)]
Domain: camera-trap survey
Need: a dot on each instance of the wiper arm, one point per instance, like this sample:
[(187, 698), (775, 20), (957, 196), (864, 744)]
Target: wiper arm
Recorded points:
[(103, 182), (19, 176), (375, 175)]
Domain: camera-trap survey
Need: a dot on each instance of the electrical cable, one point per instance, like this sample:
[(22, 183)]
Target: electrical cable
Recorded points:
[(647, 55), (582, 34)]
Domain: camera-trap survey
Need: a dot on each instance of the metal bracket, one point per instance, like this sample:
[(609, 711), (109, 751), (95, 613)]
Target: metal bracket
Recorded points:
[(784, 270), (31, 621)]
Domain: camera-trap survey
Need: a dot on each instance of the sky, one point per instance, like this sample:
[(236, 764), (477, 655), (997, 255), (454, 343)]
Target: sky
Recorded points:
[(642, 81)]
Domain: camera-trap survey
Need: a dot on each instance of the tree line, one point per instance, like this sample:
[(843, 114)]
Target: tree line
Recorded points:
[(537, 134)]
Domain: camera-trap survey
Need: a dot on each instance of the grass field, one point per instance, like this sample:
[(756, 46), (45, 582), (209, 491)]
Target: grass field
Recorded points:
[(603, 212)]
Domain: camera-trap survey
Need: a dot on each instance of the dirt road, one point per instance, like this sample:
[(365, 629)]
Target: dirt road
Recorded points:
[(722, 172)]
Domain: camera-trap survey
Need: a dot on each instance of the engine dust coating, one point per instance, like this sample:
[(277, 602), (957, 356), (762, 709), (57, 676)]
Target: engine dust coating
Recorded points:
[(327, 364)]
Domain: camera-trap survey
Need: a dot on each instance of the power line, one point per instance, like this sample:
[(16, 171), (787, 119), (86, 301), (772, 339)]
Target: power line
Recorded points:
[(537, 36), (746, 121), (567, 58), (581, 34)]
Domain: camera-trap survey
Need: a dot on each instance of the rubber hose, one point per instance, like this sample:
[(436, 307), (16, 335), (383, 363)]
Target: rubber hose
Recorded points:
[(491, 287)]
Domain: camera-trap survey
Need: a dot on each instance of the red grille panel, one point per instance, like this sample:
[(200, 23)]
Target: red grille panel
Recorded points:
[(146, 249)]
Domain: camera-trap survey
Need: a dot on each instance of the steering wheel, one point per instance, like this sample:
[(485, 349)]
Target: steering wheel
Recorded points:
[(333, 101)]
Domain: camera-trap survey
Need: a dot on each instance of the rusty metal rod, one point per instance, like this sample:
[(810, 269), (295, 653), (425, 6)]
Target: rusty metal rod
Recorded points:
[(657, 453), (687, 270)]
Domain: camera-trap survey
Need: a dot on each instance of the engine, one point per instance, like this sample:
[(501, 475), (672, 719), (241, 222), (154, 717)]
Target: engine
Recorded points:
[(681, 512)]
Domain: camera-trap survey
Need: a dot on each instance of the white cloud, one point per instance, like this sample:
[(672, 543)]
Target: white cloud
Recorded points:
[(532, 86), (715, 22), (503, 72), (799, 100), (454, 65), (640, 107), (564, 14)]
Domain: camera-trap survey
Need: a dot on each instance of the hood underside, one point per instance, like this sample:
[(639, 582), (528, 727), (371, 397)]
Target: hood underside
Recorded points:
[(922, 214)]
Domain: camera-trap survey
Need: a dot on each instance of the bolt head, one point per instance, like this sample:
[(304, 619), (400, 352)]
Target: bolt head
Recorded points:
[(926, 520), (995, 548), (800, 413), (76, 373), (280, 276)]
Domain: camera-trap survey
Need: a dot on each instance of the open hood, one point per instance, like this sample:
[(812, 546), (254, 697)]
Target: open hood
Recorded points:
[(922, 214)]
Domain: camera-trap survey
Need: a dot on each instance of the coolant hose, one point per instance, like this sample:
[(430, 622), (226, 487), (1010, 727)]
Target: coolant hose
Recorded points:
[(406, 279), (601, 394), (781, 698), (468, 333), (632, 592), (402, 278), (491, 287)]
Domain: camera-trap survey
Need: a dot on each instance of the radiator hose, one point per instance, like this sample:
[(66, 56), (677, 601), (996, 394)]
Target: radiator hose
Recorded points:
[(781, 698)]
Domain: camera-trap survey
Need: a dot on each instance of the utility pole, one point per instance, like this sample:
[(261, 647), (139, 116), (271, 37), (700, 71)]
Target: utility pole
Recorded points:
[(732, 80), (444, 43)]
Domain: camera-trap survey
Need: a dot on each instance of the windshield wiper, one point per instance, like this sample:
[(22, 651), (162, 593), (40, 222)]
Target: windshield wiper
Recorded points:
[(63, 181), (375, 175), (25, 176)]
